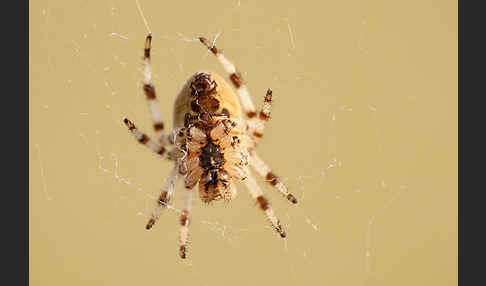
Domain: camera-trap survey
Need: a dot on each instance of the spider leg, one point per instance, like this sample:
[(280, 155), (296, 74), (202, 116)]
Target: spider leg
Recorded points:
[(264, 170), (191, 178), (149, 89), (144, 139), (165, 196), (257, 194), (185, 218), (177, 136), (257, 124), (236, 79)]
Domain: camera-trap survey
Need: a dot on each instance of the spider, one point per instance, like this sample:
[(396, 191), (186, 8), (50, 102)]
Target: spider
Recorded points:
[(214, 145)]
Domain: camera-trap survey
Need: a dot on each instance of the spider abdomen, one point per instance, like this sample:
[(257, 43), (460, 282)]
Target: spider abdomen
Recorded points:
[(205, 92)]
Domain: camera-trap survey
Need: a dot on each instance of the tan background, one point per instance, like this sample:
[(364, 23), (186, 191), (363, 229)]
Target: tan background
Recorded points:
[(363, 131)]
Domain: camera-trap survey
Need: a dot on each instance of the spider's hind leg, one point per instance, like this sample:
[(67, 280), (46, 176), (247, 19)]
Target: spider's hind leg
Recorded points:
[(257, 124), (236, 79), (149, 88)]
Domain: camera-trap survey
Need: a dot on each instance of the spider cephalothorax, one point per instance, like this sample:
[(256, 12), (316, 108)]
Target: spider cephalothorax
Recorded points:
[(214, 145), (215, 155)]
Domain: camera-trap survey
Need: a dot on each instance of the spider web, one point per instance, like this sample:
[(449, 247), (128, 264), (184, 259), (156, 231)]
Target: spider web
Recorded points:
[(109, 162)]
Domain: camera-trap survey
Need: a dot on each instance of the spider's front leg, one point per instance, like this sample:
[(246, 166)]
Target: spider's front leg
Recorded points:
[(165, 196), (175, 154), (264, 170), (191, 178), (264, 205), (184, 221)]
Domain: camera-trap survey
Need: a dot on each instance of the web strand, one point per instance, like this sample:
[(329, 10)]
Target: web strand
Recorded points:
[(143, 17)]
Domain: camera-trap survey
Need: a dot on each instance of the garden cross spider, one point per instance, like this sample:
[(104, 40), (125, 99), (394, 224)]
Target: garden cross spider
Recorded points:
[(213, 143)]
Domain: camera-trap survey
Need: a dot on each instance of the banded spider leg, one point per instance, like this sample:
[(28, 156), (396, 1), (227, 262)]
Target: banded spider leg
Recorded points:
[(256, 126), (165, 139)]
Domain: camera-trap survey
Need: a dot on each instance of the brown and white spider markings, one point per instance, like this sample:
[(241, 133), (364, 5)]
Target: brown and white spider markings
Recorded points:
[(213, 143)]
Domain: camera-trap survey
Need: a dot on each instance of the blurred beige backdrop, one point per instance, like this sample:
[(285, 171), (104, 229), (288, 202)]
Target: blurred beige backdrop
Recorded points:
[(363, 131)]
